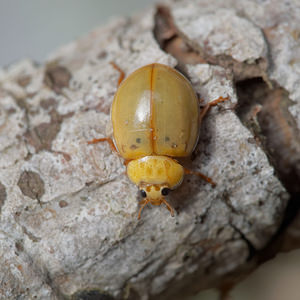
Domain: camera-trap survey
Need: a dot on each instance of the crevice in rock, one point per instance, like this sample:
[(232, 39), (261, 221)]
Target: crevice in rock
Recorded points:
[(264, 112), (3, 195), (51, 283), (91, 294), (251, 248), (186, 51), (166, 34)]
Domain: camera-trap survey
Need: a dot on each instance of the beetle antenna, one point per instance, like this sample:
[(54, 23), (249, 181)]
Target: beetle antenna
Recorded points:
[(169, 207), (144, 203)]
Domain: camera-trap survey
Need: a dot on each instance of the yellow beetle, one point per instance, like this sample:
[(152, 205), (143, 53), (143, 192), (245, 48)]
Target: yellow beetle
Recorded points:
[(155, 116)]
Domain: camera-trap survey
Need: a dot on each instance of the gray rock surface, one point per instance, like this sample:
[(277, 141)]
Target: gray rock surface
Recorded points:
[(69, 223)]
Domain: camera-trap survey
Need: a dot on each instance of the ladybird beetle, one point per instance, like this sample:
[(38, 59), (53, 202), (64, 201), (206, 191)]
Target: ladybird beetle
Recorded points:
[(156, 118)]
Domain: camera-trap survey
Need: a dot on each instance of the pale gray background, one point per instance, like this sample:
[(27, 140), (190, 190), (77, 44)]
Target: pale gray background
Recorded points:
[(34, 28)]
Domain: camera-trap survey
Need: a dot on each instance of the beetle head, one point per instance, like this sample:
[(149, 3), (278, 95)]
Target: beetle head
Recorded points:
[(155, 176), (155, 195)]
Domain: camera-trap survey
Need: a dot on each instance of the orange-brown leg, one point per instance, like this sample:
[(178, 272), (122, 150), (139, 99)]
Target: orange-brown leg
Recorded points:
[(143, 203), (109, 140), (202, 176), (169, 207), (127, 161), (122, 74), (206, 108)]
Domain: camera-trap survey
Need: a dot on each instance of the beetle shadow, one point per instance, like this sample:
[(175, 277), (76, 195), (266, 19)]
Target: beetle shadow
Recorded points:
[(200, 159)]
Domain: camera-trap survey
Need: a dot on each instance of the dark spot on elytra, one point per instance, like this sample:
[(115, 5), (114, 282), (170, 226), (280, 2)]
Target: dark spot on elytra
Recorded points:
[(3, 195), (138, 140), (57, 77), (133, 147), (167, 139), (31, 185)]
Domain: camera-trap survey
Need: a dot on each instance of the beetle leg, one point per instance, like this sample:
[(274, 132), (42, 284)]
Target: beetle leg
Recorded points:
[(143, 203), (122, 73), (206, 108), (127, 161), (107, 139), (169, 207), (202, 176)]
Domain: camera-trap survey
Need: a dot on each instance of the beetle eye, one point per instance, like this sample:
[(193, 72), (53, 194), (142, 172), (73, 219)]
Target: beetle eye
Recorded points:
[(143, 193), (165, 191)]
